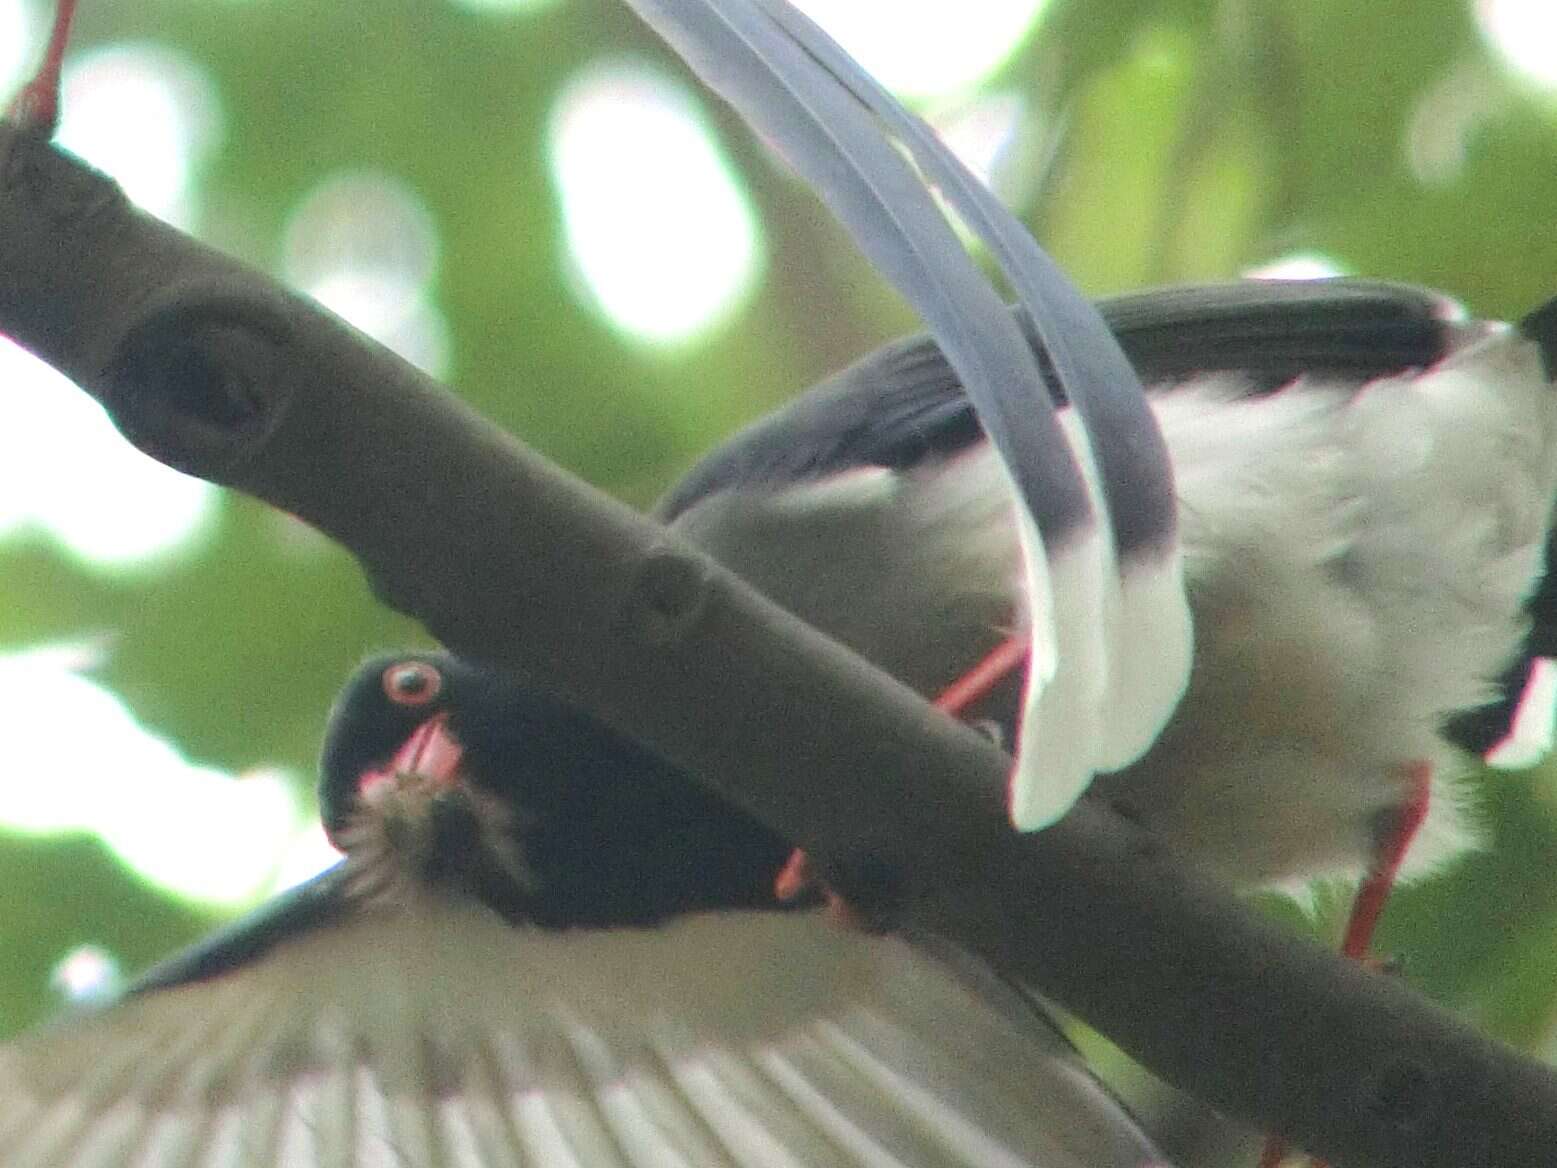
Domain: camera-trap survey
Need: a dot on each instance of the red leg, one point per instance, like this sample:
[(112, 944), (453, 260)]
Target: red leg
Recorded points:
[(1001, 661), (1389, 854), (37, 106)]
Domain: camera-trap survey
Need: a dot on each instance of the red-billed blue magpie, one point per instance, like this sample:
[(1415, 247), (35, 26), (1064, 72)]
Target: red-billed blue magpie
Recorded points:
[(547, 946), (1247, 607)]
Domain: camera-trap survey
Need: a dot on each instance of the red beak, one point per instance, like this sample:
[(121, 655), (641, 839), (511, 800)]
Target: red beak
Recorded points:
[(431, 753)]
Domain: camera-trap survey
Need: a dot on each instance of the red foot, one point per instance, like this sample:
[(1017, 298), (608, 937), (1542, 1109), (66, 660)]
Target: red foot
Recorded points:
[(37, 106), (1389, 854), (797, 877)]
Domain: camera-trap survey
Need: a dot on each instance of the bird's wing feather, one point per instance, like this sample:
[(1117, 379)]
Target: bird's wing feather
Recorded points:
[(1108, 622), (1271, 332), (436, 1034), (309, 905), (1268, 332)]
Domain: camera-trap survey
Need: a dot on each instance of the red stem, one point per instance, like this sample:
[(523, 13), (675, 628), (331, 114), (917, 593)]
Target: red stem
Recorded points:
[(37, 105)]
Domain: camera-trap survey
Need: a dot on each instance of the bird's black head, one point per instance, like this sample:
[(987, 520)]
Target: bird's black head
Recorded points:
[(440, 772)]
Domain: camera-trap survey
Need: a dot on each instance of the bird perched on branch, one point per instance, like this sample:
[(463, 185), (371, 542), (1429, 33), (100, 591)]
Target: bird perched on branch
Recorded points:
[(547, 945), (1348, 485), (1246, 607), (496, 837), (1364, 482)]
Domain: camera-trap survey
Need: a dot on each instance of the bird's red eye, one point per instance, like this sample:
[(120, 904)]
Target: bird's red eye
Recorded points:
[(412, 683)]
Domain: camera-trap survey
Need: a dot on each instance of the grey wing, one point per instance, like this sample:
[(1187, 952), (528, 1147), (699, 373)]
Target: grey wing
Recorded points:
[(1272, 332), (313, 904), (438, 1035), (872, 506), (904, 404)]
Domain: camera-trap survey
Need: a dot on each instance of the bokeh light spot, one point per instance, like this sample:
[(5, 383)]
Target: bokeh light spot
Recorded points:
[(79, 762), (1303, 265), (657, 226), (1447, 117), (366, 247), (145, 114), (925, 48), (1524, 34), (88, 974), (66, 470)]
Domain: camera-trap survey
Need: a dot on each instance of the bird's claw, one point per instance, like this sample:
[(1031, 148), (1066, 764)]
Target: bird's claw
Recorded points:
[(801, 877)]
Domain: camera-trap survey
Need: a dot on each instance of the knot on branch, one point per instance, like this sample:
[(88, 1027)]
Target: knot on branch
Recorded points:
[(668, 596), (195, 384)]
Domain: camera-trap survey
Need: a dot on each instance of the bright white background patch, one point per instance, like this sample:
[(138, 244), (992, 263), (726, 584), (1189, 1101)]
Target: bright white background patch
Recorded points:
[(927, 48), (657, 227), (309, 853), (980, 133), (1524, 34), (18, 42), (146, 115), (365, 246), (505, 6), (1529, 737), (78, 761), (1300, 265), (58, 449)]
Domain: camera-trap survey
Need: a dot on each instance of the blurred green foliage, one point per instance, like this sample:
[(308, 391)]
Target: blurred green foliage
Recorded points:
[(1186, 139)]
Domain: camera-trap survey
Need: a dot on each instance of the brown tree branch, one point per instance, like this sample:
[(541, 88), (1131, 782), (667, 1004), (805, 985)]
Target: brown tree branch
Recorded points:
[(214, 369)]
